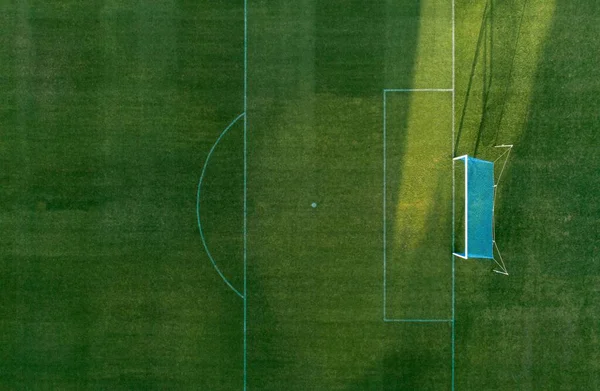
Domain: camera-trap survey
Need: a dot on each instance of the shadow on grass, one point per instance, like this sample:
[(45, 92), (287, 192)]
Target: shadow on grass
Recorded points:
[(482, 31), (423, 277), (491, 73), (264, 345), (396, 140), (553, 185), (416, 361), (549, 221), (399, 370)]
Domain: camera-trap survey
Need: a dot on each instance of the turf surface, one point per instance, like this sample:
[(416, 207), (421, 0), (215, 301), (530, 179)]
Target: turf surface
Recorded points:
[(110, 109)]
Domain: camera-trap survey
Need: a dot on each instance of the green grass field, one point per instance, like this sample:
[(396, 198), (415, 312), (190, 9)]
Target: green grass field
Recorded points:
[(113, 111)]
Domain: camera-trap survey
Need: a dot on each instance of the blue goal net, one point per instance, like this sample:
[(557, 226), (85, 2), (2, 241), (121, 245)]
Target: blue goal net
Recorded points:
[(478, 208)]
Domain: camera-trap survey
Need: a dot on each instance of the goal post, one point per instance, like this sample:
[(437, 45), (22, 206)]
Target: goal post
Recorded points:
[(476, 212)]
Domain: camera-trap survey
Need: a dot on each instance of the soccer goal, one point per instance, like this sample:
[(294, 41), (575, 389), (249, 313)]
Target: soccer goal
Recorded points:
[(474, 196), (478, 209)]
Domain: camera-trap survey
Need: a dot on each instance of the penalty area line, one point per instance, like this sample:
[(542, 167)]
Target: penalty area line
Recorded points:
[(418, 90), (419, 320)]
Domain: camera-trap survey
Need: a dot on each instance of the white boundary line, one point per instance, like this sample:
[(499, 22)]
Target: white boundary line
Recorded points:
[(417, 320), (245, 343), (384, 205), (417, 89), (453, 324)]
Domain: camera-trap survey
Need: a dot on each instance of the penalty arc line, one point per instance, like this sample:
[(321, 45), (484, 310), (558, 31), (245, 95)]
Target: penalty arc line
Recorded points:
[(198, 195)]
